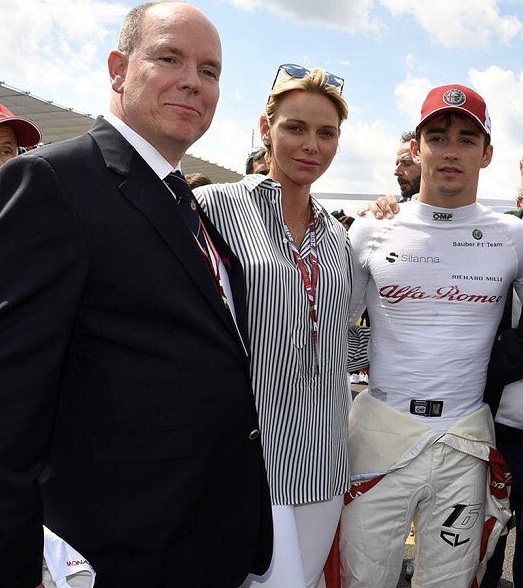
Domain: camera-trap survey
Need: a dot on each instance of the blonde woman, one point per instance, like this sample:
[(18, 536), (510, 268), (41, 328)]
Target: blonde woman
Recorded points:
[(297, 262)]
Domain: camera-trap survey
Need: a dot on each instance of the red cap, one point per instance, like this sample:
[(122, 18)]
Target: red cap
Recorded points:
[(27, 133), (456, 98)]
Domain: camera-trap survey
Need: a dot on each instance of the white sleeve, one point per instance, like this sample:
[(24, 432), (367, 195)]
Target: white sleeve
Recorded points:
[(360, 274)]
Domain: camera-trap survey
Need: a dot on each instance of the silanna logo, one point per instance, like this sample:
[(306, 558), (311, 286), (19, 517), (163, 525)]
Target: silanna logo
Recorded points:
[(393, 257), (442, 216)]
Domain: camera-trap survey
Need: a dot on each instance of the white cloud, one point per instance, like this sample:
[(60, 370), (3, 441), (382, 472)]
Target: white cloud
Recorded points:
[(503, 93), (365, 161), (226, 143), (58, 46), (475, 24), (410, 94), (353, 16)]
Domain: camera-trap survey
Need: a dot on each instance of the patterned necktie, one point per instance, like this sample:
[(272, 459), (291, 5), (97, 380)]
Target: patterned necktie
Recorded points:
[(187, 204)]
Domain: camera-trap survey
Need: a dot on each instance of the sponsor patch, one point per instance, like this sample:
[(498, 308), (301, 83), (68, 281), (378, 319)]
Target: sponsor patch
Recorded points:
[(442, 216)]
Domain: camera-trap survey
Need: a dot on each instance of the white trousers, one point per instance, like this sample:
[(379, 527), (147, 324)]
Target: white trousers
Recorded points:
[(303, 537), (443, 491)]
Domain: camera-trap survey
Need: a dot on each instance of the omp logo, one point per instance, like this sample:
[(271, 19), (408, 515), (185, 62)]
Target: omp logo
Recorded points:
[(442, 216), (392, 257)]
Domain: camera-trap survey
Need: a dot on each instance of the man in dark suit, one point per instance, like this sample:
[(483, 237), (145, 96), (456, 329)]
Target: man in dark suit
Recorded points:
[(128, 425)]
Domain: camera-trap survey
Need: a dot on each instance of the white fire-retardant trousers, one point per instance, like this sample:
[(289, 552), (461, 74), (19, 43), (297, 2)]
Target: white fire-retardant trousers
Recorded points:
[(443, 491)]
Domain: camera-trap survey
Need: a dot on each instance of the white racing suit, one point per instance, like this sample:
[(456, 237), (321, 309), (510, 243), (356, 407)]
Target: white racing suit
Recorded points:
[(454, 485)]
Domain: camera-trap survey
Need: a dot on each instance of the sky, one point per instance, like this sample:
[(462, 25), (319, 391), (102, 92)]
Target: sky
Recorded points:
[(390, 53)]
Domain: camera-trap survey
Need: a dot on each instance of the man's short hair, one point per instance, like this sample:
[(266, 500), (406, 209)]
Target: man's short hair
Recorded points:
[(407, 136), (131, 28), (254, 155)]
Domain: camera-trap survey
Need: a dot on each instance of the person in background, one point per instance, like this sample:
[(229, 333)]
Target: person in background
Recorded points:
[(519, 199), (196, 179), (127, 415), (344, 219), (256, 162), (16, 132), (504, 395), (298, 264), (429, 461), (408, 171), (358, 376)]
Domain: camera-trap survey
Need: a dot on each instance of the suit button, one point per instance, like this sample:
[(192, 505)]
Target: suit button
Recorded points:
[(254, 434)]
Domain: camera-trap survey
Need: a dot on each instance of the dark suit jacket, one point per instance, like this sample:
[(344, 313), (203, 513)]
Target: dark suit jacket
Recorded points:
[(125, 398)]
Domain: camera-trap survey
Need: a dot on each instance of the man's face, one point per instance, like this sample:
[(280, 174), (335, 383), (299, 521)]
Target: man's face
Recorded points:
[(8, 144), (452, 151), (519, 202), (407, 171), (168, 88), (259, 166)]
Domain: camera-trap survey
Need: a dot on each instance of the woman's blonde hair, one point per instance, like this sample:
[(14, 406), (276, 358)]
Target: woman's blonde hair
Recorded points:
[(314, 82)]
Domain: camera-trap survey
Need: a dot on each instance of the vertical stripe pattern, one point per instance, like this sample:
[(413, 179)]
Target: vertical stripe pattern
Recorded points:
[(303, 416)]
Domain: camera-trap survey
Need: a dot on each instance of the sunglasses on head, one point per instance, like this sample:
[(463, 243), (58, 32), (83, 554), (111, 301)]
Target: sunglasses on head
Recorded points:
[(299, 72)]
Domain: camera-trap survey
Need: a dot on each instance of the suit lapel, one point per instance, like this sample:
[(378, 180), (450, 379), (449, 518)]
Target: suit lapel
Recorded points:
[(236, 276), (142, 187)]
